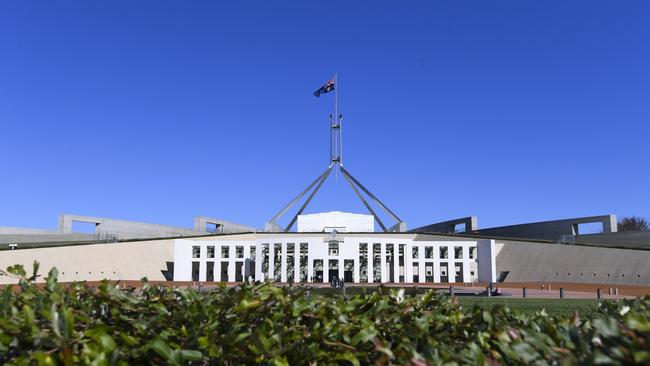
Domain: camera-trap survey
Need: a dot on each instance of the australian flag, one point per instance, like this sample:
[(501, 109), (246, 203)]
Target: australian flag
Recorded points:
[(328, 87)]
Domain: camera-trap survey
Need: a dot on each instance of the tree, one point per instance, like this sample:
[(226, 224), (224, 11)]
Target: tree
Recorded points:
[(633, 223)]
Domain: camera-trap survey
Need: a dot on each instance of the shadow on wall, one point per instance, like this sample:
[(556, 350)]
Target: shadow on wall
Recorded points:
[(169, 272)]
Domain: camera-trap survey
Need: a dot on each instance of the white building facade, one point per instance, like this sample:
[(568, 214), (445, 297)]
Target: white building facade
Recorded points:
[(319, 257)]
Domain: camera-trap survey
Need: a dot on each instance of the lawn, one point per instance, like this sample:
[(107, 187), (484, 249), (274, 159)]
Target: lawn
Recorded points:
[(557, 307)]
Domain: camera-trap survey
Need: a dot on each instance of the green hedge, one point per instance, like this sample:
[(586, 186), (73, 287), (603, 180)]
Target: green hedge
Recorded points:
[(75, 324)]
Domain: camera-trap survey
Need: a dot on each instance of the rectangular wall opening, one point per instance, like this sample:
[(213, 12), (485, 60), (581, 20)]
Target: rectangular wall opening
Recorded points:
[(333, 269), (195, 271), (416, 272), (402, 269), (589, 228), (224, 272), (277, 262), (390, 262), (428, 272), (251, 262), (444, 272), (318, 271), (265, 261), (460, 228), (239, 271), (348, 270), (304, 250), (84, 227), (363, 262), (376, 263), (209, 274), (458, 269), (211, 227)]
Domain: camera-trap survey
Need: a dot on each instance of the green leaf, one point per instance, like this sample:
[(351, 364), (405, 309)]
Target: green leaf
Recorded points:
[(35, 271), (161, 348), (191, 355), (107, 342), (364, 335)]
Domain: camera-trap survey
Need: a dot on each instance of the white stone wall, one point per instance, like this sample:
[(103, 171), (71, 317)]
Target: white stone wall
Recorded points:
[(460, 261), (336, 220)]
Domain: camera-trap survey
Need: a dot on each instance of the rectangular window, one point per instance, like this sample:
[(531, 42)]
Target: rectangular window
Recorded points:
[(443, 252), (196, 251), (239, 252), (211, 251), (376, 262), (363, 262), (318, 271), (416, 272), (334, 248), (402, 269), (225, 251), (304, 250), (458, 252), (195, 270), (415, 252), (265, 260), (253, 254), (428, 252), (472, 253), (277, 262)]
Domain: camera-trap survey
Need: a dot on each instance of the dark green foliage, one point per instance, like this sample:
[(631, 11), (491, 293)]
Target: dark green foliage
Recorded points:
[(55, 324)]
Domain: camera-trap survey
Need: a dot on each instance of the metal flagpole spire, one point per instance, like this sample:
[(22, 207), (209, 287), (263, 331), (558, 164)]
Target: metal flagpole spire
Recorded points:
[(336, 158)]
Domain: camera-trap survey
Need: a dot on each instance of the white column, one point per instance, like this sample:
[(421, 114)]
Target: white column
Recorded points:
[(422, 268), (283, 264), (357, 270), (258, 262), (296, 263), (396, 262), (271, 261), (466, 276), (247, 255), (231, 263), (203, 253), (341, 269), (310, 264), (383, 263), (326, 269), (370, 263), (408, 264), (436, 263), (217, 262)]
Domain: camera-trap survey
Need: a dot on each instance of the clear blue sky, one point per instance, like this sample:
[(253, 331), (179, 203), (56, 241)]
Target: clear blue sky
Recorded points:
[(159, 111)]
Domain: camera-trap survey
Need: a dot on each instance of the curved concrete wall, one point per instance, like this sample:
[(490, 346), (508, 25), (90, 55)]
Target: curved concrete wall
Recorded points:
[(120, 261), (536, 262)]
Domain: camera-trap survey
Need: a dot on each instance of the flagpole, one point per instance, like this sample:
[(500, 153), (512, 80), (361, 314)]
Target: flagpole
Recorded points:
[(340, 122), (336, 122)]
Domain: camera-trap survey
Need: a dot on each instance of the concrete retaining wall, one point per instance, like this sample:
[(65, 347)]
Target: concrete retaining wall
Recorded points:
[(122, 261), (533, 262)]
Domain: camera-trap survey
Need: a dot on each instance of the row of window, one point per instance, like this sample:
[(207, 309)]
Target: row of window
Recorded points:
[(225, 251), (334, 250)]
